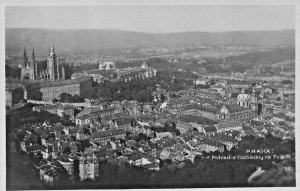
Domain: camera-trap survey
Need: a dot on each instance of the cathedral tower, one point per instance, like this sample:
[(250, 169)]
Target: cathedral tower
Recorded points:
[(26, 72), (34, 65), (23, 66), (52, 64)]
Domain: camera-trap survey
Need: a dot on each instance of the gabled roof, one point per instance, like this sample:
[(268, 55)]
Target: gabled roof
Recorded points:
[(228, 123), (223, 137), (78, 75), (134, 156), (210, 129), (107, 133)]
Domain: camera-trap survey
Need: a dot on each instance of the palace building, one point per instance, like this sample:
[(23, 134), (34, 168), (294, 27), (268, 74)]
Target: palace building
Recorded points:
[(107, 71), (47, 91), (52, 69)]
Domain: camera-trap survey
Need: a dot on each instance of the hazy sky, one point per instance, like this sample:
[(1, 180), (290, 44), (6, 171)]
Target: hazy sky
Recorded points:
[(153, 18)]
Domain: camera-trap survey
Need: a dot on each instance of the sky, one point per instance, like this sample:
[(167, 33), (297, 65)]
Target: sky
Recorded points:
[(154, 18)]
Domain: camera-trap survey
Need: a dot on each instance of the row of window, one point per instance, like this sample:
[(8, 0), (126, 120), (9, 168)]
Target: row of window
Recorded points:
[(243, 116)]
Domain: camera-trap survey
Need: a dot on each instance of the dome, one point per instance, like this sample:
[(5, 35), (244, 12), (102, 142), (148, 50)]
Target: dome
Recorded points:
[(144, 65), (243, 95), (101, 66), (108, 65)]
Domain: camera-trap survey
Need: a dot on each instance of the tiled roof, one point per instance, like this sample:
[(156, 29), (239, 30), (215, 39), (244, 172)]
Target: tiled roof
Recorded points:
[(78, 75), (208, 109), (213, 143), (210, 129), (223, 137), (101, 153), (232, 108), (118, 132), (99, 134), (123, 121), (108, 133), (184, 125), (230, 123), (190, 106), (135, 156), (196, 119)]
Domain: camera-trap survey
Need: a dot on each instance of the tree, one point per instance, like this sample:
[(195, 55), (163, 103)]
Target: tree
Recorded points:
[(65, 97), (76, 98), (162, 97), (67, 150), (141, 136)]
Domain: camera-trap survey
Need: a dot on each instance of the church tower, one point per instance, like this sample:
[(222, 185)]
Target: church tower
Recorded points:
[(243, 99), (52, 64), (254, 104), (34, 66), (253, 96)]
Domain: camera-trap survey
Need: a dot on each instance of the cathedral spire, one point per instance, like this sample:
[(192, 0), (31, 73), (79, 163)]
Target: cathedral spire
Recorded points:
[(52, 49), (24, 55), (33, 55)]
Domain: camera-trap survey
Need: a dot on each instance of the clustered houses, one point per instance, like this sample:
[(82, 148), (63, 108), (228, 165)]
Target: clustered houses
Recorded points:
[(145, 134), (94, 115), (244, 109), (206, 93)]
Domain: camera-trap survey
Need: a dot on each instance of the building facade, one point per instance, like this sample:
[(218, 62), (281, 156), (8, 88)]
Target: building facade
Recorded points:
[(47, 91)]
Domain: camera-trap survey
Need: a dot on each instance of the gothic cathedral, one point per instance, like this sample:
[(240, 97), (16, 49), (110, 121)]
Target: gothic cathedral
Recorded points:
[(49, 70)]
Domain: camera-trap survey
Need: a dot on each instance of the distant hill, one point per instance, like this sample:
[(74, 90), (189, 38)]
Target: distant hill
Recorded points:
[(96, 41)]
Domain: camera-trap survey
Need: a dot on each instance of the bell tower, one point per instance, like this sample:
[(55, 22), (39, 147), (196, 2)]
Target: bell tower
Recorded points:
[(52, 64), (253, 96)]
